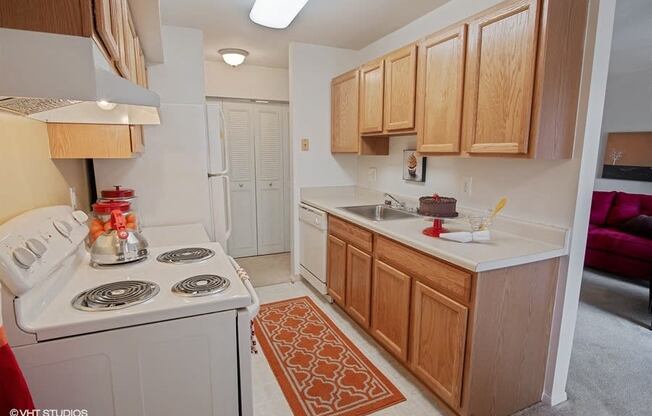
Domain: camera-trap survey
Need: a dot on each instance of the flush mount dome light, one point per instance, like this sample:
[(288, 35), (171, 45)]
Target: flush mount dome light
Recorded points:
[(233, 57), (277, 14)]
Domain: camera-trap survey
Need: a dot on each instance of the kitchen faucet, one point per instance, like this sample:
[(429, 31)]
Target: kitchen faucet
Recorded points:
[(389, 202)]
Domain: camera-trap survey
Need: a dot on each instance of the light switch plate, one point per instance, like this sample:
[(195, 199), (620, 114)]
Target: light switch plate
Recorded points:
[(467, 185), (371, 173), (305, 145)]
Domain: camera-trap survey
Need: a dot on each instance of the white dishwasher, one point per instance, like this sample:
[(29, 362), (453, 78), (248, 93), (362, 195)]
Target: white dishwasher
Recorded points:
[(313, 229)]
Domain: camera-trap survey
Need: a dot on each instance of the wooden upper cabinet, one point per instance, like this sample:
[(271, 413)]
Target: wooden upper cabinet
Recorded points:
[(94, 141), (358, 285), (501, 60), (441, 91), (390, 309), (400, 89), (371, 97), (438, 341), (66, 17), (345, 137), (122, 62), (105, 14), (336, 273)]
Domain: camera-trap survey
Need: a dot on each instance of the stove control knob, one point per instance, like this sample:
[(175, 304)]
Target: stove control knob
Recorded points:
[(80, 217), (24, 258), (36, 247), (63, 227)]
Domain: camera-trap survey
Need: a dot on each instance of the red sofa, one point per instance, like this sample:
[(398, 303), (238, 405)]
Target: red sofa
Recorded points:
[(609, 247)]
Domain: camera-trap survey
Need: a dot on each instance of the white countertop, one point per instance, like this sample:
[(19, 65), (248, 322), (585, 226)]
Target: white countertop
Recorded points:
[(509, 245)]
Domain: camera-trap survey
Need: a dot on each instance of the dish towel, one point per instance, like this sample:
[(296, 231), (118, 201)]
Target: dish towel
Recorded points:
[(14, 393), (242, 273)]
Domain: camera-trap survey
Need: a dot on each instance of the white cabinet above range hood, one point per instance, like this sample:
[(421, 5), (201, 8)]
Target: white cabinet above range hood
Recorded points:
[(61, 78)]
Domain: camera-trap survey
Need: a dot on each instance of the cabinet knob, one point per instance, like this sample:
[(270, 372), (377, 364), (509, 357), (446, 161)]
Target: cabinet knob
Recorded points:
[(241, 185), (270, 184)]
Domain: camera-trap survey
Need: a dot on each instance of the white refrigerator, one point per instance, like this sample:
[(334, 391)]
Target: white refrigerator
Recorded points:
[(219, 182)]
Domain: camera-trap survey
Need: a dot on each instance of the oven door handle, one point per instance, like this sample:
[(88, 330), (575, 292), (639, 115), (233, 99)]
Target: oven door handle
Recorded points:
[(244, 277)]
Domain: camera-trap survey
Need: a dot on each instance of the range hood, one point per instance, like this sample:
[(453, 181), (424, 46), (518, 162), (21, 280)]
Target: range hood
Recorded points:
[(60, 79)]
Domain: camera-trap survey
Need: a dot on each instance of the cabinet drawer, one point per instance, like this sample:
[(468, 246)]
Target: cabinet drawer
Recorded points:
[(447, 279), (350, 233)]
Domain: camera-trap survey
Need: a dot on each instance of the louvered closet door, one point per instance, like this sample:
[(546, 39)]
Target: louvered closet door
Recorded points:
[(270, 179), (239, 128)]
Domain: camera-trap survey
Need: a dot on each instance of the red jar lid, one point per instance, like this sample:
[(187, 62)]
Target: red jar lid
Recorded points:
[(105, 207), (118, 192)]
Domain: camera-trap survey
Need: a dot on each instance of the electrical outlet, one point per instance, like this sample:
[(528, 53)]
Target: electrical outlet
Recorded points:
[(371, 173), (305, 145), (467, 185)]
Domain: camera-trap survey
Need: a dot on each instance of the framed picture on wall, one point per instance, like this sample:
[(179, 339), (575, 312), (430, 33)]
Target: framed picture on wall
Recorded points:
[(414, 166), (628, 156)]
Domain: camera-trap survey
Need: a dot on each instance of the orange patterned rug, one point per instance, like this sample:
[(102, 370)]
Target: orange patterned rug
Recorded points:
[(320, 371)]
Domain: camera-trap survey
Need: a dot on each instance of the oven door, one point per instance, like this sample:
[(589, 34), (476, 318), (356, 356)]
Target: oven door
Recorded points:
[(180, 367)]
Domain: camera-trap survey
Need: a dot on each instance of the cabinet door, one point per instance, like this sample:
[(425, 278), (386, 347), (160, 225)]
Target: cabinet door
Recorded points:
[(441, 91), (400, 87), (336, 274), (371, 97), (270, 195), (107, 31), (358, 285), (130, 43), (390, 308), (238, 126), (345, 137), (119, 10), (89, 141), (438, 342), (500, 79)]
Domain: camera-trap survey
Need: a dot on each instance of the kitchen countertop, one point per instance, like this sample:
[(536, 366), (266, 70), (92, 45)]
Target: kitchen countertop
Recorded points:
[(509, 245)]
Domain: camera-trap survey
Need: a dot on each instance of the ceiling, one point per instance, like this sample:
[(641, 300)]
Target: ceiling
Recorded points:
[(631, 50), (349, 24)]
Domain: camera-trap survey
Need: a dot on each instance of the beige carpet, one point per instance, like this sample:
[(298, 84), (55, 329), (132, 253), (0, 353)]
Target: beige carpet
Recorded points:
[(611, 362), (267, 270)]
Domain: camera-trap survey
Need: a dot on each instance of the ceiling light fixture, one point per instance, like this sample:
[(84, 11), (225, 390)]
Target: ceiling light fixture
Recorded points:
[(232, 56), (277, 14)]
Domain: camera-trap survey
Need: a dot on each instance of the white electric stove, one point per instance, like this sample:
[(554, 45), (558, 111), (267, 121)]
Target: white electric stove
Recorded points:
[(168, 335)]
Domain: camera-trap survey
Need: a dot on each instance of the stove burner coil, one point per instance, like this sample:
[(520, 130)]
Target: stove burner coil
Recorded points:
[(186, 255), (201, 285), (116, 295)]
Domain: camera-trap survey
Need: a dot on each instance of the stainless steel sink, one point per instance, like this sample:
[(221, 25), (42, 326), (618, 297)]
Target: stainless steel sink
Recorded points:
[(379, 212)]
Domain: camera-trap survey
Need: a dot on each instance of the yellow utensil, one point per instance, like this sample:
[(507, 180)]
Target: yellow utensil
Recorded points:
[(499, 207)]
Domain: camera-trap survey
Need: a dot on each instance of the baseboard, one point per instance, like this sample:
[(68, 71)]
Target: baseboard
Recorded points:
[(554, 401)]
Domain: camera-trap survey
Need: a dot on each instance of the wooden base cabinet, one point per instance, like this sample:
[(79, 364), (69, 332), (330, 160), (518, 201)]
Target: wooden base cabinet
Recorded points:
[(438, 339), (479, 341), (358, 285), (390, 309), (336, 266)]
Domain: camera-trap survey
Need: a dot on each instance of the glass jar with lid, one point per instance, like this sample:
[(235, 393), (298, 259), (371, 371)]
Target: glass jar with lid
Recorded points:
[(120, 194), (100, 218)]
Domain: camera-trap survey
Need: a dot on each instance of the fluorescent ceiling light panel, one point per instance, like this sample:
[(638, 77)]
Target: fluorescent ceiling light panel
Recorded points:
[(277, 14)]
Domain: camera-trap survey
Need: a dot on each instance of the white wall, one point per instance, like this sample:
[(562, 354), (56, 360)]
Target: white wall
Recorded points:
[(529, 185), (311, 69), (627, 107), (170, 178), (246, 81), (628, 104)]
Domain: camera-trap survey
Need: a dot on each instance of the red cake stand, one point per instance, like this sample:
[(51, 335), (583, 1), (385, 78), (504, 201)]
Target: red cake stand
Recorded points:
[(437, 226)]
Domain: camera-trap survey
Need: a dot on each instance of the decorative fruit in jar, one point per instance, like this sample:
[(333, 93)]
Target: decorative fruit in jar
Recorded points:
[(100, 221)]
